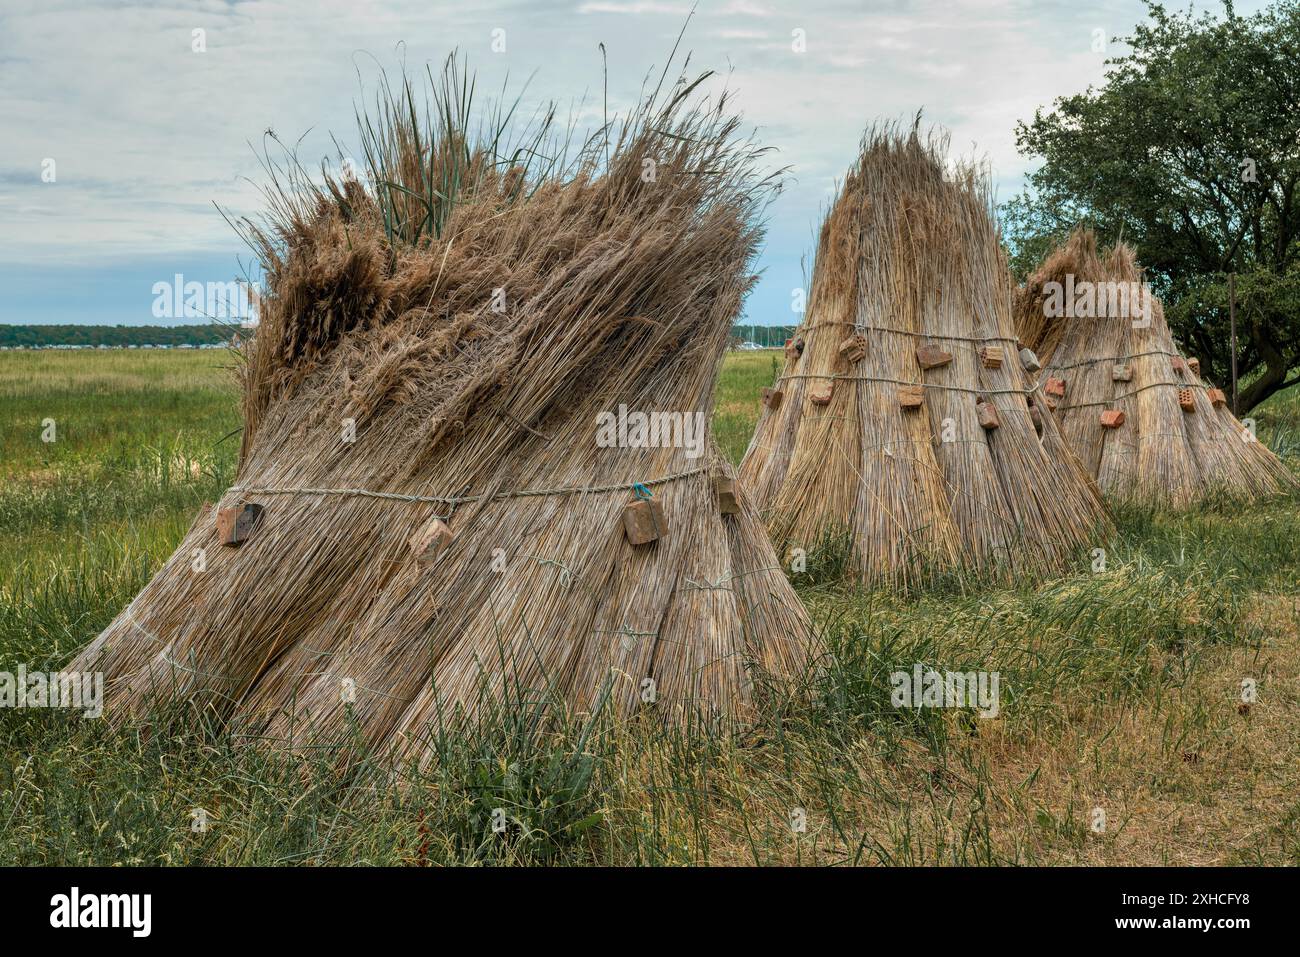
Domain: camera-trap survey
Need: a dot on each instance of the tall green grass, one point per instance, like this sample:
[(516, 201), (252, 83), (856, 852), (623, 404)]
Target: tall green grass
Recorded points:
[(83, 526)]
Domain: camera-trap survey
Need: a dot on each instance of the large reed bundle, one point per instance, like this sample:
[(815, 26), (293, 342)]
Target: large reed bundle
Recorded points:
[(896, 463), (474, 318), (1177, 441)]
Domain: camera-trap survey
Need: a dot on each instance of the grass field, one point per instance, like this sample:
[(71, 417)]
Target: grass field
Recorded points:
[(1121, 691)]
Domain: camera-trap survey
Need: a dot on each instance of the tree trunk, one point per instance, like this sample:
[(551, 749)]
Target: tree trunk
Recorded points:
[(1271, 381), (1273, 377)]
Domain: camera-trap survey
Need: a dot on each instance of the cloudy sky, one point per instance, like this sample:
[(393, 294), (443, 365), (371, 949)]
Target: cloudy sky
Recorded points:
[(146, 133)]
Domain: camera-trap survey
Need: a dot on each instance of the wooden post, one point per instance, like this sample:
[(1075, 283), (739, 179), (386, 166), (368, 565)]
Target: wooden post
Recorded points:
[(1232, 319), (643, 521), (725, 489)]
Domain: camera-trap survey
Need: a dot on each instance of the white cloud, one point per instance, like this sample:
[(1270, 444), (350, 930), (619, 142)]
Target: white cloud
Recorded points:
[(635, 8), (147, 134), (745, 8)]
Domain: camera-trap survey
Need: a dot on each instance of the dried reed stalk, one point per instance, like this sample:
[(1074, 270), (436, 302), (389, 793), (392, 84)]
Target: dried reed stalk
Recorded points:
[(909, 256), (617, 276), (1161, 455)]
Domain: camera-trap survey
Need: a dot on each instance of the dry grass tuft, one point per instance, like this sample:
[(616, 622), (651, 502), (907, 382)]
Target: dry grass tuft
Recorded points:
[(474, 307), (909, 257), (1162, 453)]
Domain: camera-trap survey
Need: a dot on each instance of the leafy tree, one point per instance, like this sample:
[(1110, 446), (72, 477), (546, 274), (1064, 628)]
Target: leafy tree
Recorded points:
[(35, 336), (1190, 151)]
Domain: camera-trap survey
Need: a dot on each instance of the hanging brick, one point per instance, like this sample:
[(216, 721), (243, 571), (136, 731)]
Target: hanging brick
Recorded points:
[(1186, 400), (1036, 417), (1055, 387), (991, 357), (932, 357), (772, 398), (1180, 366), (235, 524), (725, 489), (1217, 398), (1121, 372), (431, 541), (821, 395), (853, 348), (1194, 365), (910, 396), (1112, 419), (643, 521), (987, 414), (1029, 360), (793, 349)]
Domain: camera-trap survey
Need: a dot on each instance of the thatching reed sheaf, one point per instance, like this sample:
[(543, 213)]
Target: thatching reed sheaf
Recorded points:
[(893, 468), (1137, 411), (474, 309)]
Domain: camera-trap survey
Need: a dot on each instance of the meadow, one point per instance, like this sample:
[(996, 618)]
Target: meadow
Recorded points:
[(1121, 690)]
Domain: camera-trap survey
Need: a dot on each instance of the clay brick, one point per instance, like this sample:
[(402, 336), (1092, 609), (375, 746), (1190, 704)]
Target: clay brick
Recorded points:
[(1217, 398), (821, 395), (1055, 387), (987, 414), (772, 398), (1179, 365), (991, 357), (853, 348), (430, 542), (235, 525), (1112, 419), (1121, 372), (1036, 417), (910, 396), (932, 357), (1186, 400), (1194, 365)]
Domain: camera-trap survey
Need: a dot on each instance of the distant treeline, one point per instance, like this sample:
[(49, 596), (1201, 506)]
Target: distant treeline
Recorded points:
[(118, 336), (763, 335)]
